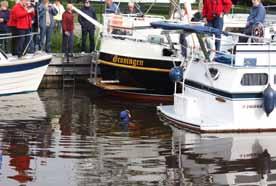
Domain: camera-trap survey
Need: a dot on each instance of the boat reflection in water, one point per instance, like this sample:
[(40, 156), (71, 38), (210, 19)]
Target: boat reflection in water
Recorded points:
[(222, 159), (20, 107), (20, 116)]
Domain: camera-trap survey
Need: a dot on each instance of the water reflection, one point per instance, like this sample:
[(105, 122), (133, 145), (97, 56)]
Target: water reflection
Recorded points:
[(63, 139), (222, 159)]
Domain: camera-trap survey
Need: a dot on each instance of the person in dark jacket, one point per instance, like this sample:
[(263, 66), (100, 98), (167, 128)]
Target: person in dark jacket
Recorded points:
[(87, 27), (4, 17), (68, 30), (213, 12), (46, 23)]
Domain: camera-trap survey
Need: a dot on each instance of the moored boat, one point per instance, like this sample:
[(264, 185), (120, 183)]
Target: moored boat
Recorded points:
[(134, 54), (22, 74), (231, 92)]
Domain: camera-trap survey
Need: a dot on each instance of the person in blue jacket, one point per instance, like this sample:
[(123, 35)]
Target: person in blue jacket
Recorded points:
[(87, 28), (111, 7), (46, 13), (256, 16), (4, 17)]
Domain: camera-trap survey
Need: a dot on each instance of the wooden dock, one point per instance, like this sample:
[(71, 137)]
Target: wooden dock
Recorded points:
[(79, 64)]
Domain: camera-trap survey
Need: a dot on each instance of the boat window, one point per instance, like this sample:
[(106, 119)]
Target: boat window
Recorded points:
[(254, 79)]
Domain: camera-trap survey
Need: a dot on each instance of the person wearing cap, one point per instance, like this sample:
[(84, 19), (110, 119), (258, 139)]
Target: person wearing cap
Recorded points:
[(87, 28)]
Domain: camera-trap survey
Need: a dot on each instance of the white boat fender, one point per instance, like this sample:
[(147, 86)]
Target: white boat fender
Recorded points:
[(269, 97), (176, 74)]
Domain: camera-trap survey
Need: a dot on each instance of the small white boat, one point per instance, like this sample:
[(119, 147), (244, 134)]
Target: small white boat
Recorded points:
[(231, 92), (223, 159), (22, 74)]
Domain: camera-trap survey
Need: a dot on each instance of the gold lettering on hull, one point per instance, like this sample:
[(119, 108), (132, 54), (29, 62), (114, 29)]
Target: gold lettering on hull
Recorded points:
[(128, 61)]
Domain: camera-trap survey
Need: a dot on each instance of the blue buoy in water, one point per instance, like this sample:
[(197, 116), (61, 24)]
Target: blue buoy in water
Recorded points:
[(269, 97), (176, 74), (125, 116)]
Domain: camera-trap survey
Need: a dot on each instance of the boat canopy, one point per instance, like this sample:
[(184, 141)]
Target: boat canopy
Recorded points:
[(169, 25)]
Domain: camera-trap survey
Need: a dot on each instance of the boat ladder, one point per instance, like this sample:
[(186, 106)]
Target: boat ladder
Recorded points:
[(68, 73), (94, 68)]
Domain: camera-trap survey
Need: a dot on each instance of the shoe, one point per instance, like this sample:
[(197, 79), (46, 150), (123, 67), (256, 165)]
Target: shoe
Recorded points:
[(82, 52)]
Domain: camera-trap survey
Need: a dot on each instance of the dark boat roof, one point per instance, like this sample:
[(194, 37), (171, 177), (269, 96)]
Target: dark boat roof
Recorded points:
[(169, 25)]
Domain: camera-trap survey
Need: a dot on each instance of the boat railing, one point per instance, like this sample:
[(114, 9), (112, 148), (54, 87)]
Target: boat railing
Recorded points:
[(6, 38), (135, 39)]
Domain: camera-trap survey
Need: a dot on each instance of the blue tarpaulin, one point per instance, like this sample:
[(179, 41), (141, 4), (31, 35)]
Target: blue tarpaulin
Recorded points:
[(169, 25)]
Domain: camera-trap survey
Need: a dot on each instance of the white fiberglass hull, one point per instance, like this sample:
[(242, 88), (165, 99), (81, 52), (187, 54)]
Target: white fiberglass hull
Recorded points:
[(24, 74)]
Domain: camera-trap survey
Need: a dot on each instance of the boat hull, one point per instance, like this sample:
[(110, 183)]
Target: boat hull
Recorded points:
[(137, 63), (23, 75)]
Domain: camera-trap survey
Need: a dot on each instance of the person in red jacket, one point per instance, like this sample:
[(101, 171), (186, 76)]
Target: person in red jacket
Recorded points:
[(21, 17), (212, 12), (67, 30), (12, 26)]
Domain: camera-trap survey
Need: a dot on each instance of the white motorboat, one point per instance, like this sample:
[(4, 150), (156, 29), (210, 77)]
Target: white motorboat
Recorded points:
[(23, 74), (231, 92)]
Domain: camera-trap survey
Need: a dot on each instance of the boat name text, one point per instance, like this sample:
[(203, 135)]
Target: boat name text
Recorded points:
[(128, 61), (251, 106)]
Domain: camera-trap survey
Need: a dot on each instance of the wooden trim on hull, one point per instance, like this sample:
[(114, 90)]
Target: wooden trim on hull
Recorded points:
[(197, 129), (132, 95)]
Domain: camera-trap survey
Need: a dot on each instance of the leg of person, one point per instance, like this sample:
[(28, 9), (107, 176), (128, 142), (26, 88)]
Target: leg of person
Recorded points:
[(64, 44), (71, 42), (48, 38), (20, 42), (13, 41), (92, 40), (218, 23), (42, 37), (84, 33)]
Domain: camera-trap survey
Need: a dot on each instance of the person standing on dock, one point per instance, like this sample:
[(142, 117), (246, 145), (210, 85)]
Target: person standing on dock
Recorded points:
[(68, 30), (111, 8), (213, 12), (58, 17), (21, 18), (87, 27), (46, 24), (4, 17)]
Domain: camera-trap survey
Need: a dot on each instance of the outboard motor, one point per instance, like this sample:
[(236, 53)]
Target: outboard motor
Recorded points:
[(268, 96), (176, 74)]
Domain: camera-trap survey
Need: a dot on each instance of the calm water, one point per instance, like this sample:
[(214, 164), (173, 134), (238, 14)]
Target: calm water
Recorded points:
[(50, 138)]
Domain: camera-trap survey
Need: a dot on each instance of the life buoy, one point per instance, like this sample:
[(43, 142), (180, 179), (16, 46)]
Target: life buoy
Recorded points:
[(116, 21)]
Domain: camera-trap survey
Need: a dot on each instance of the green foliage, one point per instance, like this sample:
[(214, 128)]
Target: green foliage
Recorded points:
[(56, 42)]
